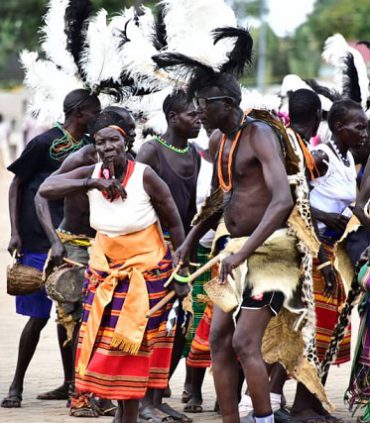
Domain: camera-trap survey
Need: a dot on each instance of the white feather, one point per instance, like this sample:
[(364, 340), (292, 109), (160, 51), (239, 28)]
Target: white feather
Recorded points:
[(99, 57), (293, 82), (135, 55), (48, 85), (189, 25), (54, 38), (256, 100), (334, 53)]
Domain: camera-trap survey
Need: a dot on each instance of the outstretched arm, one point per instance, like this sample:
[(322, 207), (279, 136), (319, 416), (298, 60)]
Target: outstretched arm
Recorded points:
[(267, 150), (58, 186), (84, 157)]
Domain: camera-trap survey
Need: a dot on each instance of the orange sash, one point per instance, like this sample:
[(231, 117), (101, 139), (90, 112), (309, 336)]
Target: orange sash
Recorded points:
[(131, 255)]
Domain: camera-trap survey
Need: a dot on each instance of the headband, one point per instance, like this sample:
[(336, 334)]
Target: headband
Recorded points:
[(119, 129)]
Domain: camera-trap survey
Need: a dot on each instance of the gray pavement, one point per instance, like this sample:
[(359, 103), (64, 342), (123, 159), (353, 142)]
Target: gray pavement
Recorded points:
[(45, 371)]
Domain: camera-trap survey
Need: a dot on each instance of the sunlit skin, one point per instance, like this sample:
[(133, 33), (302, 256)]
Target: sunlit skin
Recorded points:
[(260, 186), (110, 147), (76, 204)]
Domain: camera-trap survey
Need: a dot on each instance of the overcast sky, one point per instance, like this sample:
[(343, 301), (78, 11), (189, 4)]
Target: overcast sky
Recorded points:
[(286, 15)]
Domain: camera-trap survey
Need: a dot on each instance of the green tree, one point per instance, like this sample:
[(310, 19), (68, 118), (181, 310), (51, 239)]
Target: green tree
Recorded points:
[(305, 52), (348, 17)]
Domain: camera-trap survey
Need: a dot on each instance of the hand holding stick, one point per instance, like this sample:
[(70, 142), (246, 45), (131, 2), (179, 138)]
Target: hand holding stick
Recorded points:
[(192, 278)]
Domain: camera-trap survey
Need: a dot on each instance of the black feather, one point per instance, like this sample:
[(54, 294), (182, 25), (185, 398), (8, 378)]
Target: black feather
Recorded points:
[(351, 87), (195, 72), (241, 55), (185, 65), (76, 22), (121, 90), (332, 95), (114, 89), (365, 43), (123, 35), (160, 36)]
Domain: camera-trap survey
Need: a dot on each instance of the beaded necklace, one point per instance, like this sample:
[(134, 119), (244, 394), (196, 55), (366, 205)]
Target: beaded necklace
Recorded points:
[(226, 187), (170, 146), (61, 147), (345, 160)]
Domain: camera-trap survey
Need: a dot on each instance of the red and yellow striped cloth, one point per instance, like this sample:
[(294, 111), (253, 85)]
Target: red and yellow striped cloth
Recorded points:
[(327, 312)]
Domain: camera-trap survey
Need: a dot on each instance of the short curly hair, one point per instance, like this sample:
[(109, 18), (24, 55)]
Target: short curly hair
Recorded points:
[(108, 118), (339, 111)]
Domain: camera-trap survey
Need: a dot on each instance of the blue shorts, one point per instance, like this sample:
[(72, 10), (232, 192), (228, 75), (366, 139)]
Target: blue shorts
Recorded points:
[(36, 304)]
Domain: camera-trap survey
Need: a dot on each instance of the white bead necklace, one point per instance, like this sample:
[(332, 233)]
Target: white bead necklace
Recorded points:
[(345, 160)]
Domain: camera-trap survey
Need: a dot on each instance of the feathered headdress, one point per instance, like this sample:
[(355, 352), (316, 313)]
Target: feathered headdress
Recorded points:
[(198, 72), (293, 82), (76, 23), (351, 73), (82, 51)]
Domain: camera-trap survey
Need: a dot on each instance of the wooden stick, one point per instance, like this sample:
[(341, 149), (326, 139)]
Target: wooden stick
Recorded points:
[(177, 268), (204, 268), (160, 304), (74, 263), (192, 278)]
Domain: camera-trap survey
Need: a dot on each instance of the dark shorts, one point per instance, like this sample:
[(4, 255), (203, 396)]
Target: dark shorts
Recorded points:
[(36, 304), (272, 299)]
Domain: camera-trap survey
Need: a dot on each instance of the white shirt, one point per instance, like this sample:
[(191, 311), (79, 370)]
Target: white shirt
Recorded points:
[(122, 217)]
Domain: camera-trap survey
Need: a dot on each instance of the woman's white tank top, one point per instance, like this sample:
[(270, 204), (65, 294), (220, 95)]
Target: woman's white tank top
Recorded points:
[(336, 190), (122, 217)]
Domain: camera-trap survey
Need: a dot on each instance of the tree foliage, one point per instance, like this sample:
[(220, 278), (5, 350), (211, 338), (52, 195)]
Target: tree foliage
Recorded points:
[(348, 17)]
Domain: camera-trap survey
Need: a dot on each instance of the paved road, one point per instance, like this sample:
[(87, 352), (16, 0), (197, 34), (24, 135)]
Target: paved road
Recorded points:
[(45, 371)]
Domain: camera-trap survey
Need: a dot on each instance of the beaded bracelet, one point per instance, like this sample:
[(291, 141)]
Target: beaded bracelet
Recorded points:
[(181, 279)]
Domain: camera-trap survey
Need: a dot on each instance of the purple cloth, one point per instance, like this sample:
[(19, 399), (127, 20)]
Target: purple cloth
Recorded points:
[(155, 280), (36, 304)]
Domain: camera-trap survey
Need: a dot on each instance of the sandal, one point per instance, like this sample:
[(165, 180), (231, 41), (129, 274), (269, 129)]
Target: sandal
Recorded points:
[(178, 417), (104, 406), (191, 407), (12, 400), (153, 415), (82, 406), (60, 393)]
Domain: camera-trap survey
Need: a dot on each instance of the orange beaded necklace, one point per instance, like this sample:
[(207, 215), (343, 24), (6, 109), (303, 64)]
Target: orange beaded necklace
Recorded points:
[(226, 187)]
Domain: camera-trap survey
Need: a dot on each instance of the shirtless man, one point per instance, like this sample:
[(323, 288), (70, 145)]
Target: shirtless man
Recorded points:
[(259, 201)]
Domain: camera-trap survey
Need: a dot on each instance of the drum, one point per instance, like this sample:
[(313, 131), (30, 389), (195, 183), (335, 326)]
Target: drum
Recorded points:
[(22, 279), (222, 295), (65, 284)]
